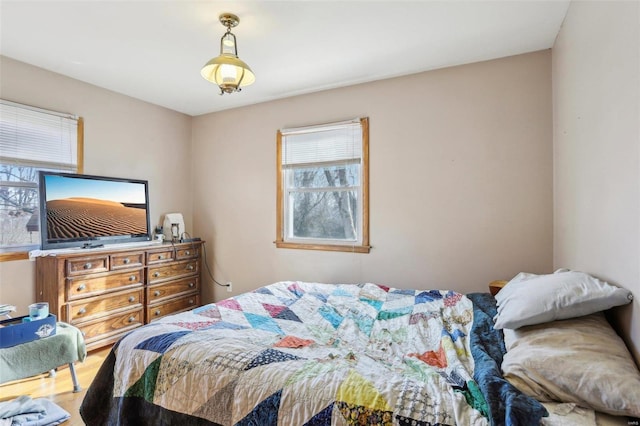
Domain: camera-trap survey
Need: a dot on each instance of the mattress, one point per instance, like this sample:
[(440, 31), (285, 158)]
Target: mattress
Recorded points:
[(295, 353)]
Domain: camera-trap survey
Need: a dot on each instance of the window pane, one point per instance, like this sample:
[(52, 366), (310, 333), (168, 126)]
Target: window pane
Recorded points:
[(19, 224), (326, 177), (324, 215)]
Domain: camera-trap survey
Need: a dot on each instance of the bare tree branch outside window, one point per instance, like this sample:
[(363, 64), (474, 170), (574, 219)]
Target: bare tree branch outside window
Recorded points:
[(324, 203), (19, 224)]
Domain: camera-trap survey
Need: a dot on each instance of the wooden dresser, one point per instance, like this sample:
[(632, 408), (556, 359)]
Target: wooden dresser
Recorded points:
[(107, 292)]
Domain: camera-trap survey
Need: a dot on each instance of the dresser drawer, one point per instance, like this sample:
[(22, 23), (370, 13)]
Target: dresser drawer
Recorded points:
[(172, 306), (87, 265), (187, 253), (127, 260), (102, 306), (116, 324), (159, 256), (172, 288), (157, 274), (84, 287)]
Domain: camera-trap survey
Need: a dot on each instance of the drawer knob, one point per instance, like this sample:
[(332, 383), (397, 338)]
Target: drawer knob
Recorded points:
[(87, 265), (81, 287), (156, 313), (156, 274), (190, 267), (160, 257), (126, 260), (191, 285), (82, 311), (156, 293), (191, 301), (132, 319), (187, 253), (132, 299), (132, 278)]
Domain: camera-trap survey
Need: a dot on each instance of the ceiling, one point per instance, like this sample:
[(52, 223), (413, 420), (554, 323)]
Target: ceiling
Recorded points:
[(153, 50)]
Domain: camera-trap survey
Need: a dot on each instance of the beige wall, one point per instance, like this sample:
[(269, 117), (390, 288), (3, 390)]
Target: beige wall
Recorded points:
[(124, 137), (596, 90), (461, 180)]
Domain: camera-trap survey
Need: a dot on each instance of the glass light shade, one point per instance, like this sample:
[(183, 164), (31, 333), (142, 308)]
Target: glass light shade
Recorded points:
[(228, 44), (228, 72)]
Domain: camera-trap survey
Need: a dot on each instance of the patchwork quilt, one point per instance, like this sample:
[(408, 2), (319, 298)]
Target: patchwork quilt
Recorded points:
[(295, 353)]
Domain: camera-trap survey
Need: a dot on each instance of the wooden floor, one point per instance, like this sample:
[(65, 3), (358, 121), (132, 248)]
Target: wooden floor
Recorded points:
[(59, 389)]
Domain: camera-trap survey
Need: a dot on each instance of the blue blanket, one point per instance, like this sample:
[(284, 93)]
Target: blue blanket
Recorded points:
[(507, 405)]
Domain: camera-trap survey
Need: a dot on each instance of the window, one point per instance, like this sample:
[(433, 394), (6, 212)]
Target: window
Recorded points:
[(31, 139), (323, 187)]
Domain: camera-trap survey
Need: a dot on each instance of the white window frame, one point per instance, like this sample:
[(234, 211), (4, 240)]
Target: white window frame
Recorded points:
[(284, 237), (39, 139)]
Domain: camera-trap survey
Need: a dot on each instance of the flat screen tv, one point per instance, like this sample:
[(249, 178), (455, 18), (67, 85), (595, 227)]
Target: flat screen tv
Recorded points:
[(89, 211)]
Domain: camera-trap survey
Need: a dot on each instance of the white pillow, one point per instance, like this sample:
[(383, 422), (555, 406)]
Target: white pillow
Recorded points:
[(534, 299), (579, 360)]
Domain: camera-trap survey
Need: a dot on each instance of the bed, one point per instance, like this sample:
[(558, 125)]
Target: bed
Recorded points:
[(296, 353)]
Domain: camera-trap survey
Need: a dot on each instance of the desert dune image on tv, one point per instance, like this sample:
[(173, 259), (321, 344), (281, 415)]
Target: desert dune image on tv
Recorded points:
[(87, 208)]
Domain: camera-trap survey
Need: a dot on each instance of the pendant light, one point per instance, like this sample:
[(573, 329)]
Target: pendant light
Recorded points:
[(227, 70)]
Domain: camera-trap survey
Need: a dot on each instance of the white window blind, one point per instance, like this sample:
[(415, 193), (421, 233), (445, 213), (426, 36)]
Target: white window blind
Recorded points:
[(331, 143), (38, 138)]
